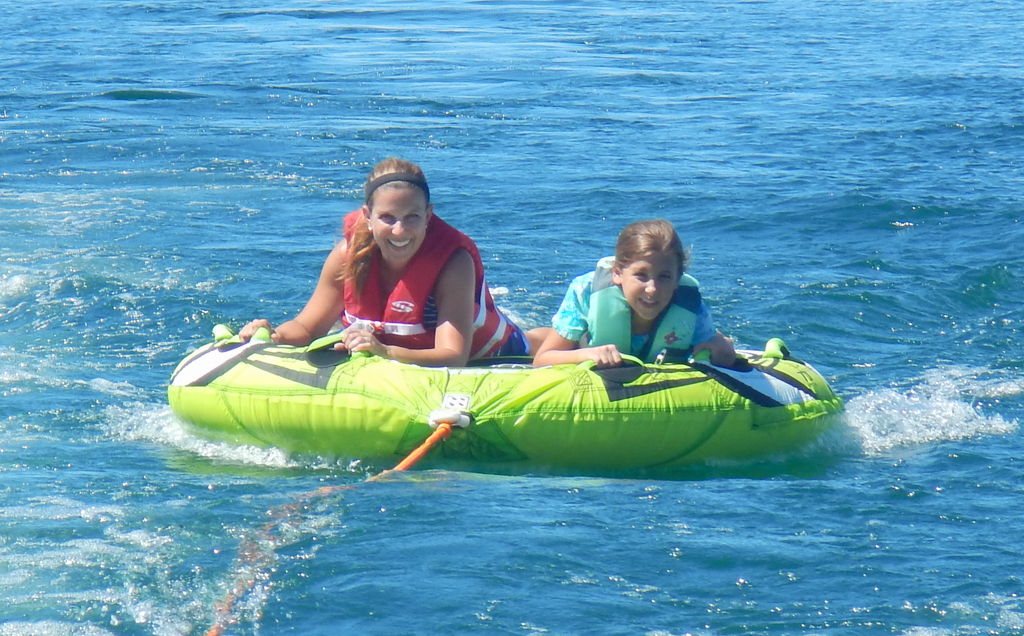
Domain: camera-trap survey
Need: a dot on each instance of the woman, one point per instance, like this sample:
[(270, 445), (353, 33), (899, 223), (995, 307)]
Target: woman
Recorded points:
[(405, 284)]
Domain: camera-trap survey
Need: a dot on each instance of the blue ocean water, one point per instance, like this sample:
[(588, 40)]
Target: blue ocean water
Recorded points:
[(848, 174)]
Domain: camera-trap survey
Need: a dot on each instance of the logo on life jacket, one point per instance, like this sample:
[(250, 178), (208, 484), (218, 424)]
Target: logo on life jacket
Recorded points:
[(671, 338), (402, 306)]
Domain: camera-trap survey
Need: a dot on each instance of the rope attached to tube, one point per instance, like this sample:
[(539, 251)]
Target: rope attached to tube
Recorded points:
[(256, 554)]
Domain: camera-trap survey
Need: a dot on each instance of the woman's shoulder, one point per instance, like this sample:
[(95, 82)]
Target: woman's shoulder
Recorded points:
[(460, 266), (337, 258), (340, 249), (460, 258)]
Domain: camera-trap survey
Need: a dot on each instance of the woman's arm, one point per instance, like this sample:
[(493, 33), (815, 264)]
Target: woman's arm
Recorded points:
[(454, 294), (322, 310)]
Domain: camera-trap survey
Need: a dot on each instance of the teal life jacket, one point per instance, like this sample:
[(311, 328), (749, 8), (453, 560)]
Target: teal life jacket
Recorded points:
[(609, 320)]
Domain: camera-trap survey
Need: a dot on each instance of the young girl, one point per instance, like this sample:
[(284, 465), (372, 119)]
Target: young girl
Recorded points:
[(638, 302)]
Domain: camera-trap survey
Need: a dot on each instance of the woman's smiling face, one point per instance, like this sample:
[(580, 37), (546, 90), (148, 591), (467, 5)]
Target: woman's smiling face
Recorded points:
[(398, 220), (648, 285)]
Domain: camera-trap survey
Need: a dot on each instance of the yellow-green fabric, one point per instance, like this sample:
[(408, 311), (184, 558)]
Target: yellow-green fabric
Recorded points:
[(566, 416)]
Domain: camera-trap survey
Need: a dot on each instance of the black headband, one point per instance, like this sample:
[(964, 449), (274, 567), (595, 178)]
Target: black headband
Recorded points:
[(407, 177)]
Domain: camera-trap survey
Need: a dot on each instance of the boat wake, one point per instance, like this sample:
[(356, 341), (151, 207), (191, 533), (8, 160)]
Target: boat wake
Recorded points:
[(948, 403), (139, 421), (156, 423), (945, 404)]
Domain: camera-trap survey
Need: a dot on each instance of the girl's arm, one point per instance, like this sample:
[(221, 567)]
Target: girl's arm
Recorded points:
[(571, 319), (557, 349), (322, 310), (723, 353)]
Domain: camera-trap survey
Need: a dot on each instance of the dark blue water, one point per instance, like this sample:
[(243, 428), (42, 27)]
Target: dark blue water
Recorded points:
[(848, 174)]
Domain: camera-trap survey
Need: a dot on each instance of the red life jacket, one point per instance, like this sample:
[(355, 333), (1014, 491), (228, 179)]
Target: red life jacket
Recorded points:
[(399, 318)]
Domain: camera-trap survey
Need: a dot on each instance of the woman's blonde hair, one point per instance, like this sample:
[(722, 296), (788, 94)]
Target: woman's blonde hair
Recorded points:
[(361, 245), (642, 239)]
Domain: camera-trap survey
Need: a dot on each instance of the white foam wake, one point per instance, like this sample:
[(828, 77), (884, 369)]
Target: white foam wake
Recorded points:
[(157, 423), (948, 403)]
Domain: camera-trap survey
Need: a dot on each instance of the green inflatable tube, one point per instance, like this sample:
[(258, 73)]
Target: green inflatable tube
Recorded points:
[(637, 416)]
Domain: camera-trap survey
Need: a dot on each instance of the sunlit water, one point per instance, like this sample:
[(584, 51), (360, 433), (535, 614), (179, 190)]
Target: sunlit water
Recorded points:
[(849, 175)]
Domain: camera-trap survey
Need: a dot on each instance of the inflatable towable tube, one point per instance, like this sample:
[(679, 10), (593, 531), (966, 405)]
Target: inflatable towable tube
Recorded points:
[(317, 400)]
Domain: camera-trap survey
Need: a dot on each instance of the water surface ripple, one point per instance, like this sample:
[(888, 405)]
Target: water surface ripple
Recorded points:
[(848, 174)]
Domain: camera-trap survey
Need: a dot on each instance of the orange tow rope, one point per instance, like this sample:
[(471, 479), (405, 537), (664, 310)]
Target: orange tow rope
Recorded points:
[(252, 554), (256, 555), (443, 431)]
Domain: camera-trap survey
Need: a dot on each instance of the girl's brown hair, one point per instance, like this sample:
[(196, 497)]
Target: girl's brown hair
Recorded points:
[(641, 239), (361, 245)]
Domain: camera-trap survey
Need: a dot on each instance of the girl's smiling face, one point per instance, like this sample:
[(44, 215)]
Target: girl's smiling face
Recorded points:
[(648, 285)]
